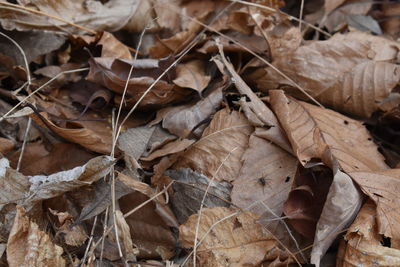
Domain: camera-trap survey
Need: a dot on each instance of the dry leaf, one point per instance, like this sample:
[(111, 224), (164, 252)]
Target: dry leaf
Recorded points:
[(231, 239), (260, 110), (337, 19), (29, 246), (192, 75), (149, 231), (189, 192), (363, 245), (318, 134), (96, 138), (170, 148), (171, 46), (6, 145), (313, 130), (125, 237), (383, 187), (113, 74), (218, 153), (96, 16), (391, 24), (182, 120), (102, 199), (59, 157), (265, 178), (352, 73)]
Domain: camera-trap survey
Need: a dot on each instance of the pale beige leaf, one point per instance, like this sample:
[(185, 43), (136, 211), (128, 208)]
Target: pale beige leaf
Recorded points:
[(94, 15), (221, 147), (170, 148), (44, 187), (352, 73), (313, 131), (192, 75), (342, 204), (125, 236), (265, 178), (231, 239), (182, 120), (29, 246), (362, 246), (383, 188)]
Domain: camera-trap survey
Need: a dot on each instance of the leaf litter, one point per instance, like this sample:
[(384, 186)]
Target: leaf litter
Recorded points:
[(206, 133)]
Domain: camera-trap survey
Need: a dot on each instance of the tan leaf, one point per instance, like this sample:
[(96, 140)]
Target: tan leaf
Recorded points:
[(111, 46), (265, 178), (192, 75), (125, 237), (363, 245), (110, 16), (6, 145), (352, 73), (176, 43), (383, 188), (29, 246), (148, 230), (230, 239), (48, 160), (341, 143), (338, 18), (183, 119), (97, 138), (220, 147), (313, 130)]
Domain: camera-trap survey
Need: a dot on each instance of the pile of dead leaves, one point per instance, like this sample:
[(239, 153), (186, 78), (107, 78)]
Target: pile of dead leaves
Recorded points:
[(199, 133)]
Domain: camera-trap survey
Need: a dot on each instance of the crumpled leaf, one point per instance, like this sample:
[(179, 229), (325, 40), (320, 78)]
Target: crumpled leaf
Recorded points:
[(192, 75), (235, 241), (383, 187), (189, 192), (266, 177), (257, 108), (181, 120), (113, 73), (93, 135), (318, 134), (220, 148), (95, 16), (72, 234), (352, 73), (20, 189), (363, 244), (29, 246)]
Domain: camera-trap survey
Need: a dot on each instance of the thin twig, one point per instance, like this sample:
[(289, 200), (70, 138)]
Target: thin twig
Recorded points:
[(21, 155), (28, 73)]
